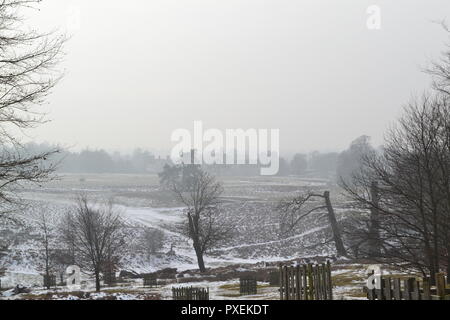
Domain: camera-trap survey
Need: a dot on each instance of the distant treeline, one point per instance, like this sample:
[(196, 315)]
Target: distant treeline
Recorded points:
[(101, 161), (316, 164), (328, 165)]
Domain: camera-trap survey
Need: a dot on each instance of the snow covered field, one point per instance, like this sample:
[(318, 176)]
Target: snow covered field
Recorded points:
[(143, 204)]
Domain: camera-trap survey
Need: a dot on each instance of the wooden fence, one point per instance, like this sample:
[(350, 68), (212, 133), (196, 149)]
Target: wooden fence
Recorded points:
[(306, 282), (412, 289), (248, 286), (190, 293), (150, 281), (49, 281), (274, 278), (110, 278)]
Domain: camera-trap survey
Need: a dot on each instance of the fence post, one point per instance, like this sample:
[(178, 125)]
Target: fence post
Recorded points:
[(320, 270), (415, 295), (298, 282), (305, 282), (387, 288), (311, 282), (440, 285), (380, 292), (281, 281), (286, 283), (426, 289), (323, 279), (329, 281), (292, 283), (316, 284), (397, 289), (407, 288)]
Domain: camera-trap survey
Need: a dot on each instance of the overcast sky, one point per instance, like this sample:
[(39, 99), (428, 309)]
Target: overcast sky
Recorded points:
[(136, 70)]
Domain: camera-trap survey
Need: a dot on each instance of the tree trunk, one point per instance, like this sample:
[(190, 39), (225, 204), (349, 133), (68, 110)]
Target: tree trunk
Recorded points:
[(448, 269), (47, 275), (97, 281), (47, 268), (340, 249), (193, 230), (430, 264), (432, 275), (200, 261), (374, 229)]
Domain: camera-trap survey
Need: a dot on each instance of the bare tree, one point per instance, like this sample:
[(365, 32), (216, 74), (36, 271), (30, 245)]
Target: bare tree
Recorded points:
[(68, 238), (46, 228), (96, 233), (200, 193), (440, 69), (152, 240), (412, 201), (294, 211), (27, 75)]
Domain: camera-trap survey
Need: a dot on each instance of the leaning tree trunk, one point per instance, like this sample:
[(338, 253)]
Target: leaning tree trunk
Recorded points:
[(340, 249), (374, 228), (193, 230)]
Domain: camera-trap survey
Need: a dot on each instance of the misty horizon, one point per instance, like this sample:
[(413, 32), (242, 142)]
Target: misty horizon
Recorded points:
[(244, 150), (313, 70)]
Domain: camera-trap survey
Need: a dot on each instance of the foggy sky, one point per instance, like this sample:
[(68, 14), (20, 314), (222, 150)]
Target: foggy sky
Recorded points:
[(137, 70)]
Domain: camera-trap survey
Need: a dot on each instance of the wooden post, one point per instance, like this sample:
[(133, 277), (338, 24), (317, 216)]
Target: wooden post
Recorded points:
[(380, 292), (387, 288), (310, 282), (323, 284), (397, 289), (320, 281), (316, 282), (426, 289), (323, 278), (407, 288), (293, 286), (370, 295), (305, 283), (298, 282), (329, 281), (281, 281), (286, 283), (440, 285), (415, 295)]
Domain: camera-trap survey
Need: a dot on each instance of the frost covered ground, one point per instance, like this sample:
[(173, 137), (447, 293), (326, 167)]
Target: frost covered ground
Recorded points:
[(143, 203), (348, 281)]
